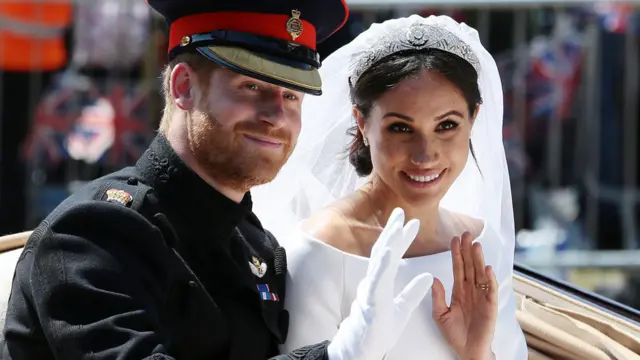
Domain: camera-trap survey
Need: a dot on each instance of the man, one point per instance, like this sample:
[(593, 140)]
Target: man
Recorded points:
[(165, 260)]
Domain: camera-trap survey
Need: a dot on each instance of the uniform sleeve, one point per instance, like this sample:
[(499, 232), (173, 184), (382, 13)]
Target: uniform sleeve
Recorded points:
[(93, 276), (315, 284), (310, 352)]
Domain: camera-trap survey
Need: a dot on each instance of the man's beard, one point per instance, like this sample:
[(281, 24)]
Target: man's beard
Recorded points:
[(228, 159)]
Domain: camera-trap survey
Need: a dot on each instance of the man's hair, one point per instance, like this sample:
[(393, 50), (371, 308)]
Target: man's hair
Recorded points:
[(200, 65)]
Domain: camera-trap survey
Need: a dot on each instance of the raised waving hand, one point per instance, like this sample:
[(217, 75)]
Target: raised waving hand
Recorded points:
[(468, 324), (378, 316)]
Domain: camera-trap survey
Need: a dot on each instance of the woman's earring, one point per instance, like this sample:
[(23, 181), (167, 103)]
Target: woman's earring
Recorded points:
[(365, 141)]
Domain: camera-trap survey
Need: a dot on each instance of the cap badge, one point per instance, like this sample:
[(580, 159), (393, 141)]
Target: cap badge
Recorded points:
[(294, 24), (258, 268), (119, 196), (185, 41)]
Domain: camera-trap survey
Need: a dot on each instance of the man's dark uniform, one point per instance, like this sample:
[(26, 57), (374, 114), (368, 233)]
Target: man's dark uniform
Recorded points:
[(151, 262)]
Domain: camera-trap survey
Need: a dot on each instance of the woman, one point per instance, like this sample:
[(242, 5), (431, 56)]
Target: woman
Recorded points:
[(416, 88)]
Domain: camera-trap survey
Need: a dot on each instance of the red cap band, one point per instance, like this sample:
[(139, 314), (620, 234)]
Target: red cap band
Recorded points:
[(273, 25)]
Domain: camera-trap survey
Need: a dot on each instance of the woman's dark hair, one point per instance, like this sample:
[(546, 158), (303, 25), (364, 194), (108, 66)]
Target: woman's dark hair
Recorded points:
[(391, 71)]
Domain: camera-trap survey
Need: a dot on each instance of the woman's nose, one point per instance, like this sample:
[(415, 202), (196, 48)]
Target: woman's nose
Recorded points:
[(423, 153), (420, 159)]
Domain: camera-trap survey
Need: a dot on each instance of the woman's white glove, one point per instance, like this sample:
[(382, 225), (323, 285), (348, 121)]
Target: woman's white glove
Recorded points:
[(377, 317)]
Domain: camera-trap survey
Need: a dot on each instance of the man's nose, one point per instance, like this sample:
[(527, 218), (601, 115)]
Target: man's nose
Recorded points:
[(272, 109)]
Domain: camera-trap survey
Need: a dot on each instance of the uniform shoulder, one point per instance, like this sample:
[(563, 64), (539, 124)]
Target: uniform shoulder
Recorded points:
[(118, 191), (112, 206)]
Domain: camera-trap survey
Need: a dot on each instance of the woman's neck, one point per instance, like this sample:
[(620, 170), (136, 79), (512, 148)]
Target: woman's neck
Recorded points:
[(380, 201)]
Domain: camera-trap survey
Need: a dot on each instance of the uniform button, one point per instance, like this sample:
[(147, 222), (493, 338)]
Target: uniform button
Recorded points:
[(132, 181), (193, 284)]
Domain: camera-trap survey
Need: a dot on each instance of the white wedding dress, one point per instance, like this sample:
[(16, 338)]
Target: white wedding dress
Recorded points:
[(323, 280)]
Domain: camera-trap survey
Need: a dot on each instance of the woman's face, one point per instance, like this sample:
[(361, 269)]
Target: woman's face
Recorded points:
[(418, 133)]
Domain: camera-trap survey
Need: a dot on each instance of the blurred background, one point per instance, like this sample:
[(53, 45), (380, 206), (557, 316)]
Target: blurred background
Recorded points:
[(80, 97)]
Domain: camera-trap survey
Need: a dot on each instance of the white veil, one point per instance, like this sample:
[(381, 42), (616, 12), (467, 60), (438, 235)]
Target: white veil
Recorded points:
[(319, 171)]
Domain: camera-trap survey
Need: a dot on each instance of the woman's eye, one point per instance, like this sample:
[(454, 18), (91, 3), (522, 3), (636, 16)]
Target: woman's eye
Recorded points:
[(399, 127), (447, 125)]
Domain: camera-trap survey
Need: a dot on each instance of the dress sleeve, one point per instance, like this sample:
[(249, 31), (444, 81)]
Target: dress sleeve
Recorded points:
[(509, 342), (315, 283)]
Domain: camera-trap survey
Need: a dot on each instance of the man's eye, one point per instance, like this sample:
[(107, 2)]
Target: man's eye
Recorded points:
[(290, 96), (253, 87)]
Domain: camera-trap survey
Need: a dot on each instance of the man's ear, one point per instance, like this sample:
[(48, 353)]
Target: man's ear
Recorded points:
[(181, 85)]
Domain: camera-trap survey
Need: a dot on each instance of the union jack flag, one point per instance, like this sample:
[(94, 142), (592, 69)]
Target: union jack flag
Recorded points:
[(548, 84), (64, 117), (131, 118), (554, 75), (52, 119), (616, 17)]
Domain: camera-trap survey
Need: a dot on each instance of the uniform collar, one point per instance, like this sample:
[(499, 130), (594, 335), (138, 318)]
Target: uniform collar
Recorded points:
[(187, 196)]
